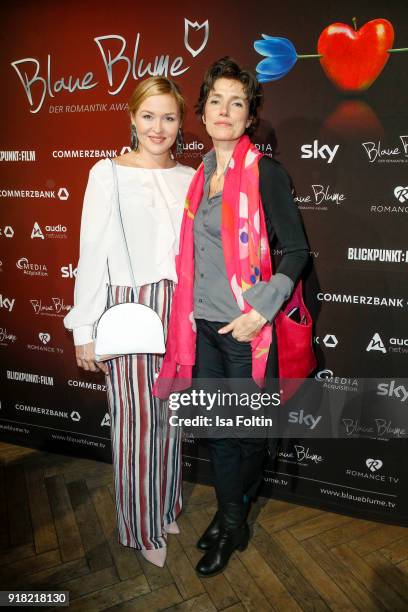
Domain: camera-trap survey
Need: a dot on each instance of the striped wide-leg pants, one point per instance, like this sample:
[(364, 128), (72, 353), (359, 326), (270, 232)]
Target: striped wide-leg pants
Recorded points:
[(146, 450)]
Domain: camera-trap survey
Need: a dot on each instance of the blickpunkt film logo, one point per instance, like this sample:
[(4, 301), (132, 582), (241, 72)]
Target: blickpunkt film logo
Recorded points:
[(395, 153), (6, 231), (30, 377), (49, 231), (368, 255), (17, 156), (31, 269), (321, 198), (41, 194)]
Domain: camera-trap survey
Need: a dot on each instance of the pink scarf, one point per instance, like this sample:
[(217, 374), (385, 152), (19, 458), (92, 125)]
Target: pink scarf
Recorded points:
[(247, 261)]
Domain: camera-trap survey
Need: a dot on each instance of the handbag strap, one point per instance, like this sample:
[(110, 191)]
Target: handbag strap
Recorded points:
[(117, 201)]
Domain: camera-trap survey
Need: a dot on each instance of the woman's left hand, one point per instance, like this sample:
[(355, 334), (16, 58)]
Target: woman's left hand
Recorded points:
[(245, 327)]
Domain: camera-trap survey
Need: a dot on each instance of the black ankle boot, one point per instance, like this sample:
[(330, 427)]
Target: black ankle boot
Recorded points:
[(234, 535), (211, 534)]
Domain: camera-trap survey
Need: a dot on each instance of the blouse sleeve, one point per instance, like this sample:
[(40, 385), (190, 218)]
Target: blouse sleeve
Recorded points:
[(283, 221), (90, 292)]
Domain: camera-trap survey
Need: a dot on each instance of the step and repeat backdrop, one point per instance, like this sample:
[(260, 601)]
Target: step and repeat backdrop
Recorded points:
[(335, 114)]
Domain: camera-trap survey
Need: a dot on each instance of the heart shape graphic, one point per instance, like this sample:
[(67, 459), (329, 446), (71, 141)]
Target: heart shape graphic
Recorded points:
[(401, 193), (44, 337), (353, 59), (374, 464)]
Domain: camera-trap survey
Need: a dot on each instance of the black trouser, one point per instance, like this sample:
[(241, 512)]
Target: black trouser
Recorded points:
[(237, 462)]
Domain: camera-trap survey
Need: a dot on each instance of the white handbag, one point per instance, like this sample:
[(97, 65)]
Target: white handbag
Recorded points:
[(127, 328)]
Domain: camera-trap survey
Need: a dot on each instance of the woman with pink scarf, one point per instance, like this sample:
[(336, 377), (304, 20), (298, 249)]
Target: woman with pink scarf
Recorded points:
[(238, 203)]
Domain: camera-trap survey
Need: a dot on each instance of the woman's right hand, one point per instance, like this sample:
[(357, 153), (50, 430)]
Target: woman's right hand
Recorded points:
[(85, 357)]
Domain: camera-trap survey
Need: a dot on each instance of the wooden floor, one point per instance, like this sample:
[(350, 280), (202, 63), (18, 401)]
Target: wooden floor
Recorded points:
[(57, 531)]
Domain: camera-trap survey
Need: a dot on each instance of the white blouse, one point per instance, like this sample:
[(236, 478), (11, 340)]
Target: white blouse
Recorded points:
[(152, 205)]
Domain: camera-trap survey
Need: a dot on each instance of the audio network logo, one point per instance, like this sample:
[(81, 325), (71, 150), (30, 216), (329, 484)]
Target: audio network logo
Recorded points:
[(37, 231), (106, 420), (393, 345), (376, 344), (51, 231)]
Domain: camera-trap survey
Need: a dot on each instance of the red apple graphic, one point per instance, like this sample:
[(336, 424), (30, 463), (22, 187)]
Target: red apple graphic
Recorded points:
[(353, 59)]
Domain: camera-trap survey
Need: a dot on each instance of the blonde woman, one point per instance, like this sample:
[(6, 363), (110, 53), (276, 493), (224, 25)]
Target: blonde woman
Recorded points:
[(152, 187)]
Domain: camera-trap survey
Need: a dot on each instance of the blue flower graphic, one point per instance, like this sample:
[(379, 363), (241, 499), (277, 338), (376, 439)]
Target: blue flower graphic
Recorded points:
[(280, 55)]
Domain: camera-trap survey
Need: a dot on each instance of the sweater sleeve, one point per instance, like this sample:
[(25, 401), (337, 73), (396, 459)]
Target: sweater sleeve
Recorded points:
[(283, 221), (90, 292)]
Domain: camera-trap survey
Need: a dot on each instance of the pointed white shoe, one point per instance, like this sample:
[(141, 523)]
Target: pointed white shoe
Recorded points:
[(157, 556), (172, 528)]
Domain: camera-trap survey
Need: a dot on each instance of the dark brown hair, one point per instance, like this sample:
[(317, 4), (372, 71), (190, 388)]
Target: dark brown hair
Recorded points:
[(227, 68)]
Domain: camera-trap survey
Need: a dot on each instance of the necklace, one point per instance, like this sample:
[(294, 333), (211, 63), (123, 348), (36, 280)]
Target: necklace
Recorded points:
[(219, 178)]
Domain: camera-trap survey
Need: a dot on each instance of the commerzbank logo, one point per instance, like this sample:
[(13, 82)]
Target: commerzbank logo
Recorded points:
[(40, 194), (7, 231)]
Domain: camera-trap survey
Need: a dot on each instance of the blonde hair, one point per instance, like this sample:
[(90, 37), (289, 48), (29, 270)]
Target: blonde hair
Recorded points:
[(154, 86)]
